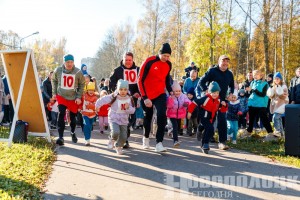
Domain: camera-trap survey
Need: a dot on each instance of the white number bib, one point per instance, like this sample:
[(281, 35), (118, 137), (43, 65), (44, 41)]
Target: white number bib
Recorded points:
[(121, 105), (130, 75), (68, 81)]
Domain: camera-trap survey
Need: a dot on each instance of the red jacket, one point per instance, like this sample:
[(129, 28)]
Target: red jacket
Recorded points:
[(103, 112), (154, 77)]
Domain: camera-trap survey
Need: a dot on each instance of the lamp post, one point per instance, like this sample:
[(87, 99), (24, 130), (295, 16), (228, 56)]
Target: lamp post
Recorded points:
[(27, 37)]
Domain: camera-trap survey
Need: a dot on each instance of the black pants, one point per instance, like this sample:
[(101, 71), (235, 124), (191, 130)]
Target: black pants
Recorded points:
[(176, 124), (222, 126), (61, 120), (208, 130), (260, 112), (160, 103)]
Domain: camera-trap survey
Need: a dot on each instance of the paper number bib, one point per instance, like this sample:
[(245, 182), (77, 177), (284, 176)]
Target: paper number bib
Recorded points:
[(68, 81), (121, 105), (130, 75)]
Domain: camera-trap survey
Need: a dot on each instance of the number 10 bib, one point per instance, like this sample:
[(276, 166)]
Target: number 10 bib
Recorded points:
[(68, 81)]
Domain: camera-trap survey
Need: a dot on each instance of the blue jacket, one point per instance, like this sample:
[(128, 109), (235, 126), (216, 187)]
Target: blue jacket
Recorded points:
[(224, 79), (233, 109), (244, 104), (259, 97), (6, 88), (190, 84)]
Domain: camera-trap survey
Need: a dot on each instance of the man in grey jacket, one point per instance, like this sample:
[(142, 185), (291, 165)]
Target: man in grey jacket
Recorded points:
[(67, 88)]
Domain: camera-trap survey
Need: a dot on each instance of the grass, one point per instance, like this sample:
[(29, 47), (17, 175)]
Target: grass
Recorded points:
[(274, 150), (24, 168)]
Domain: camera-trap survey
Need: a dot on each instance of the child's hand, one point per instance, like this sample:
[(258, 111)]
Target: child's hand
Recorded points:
[(185, 104), (223, 103), (126, 105), (240, 113), (189, 115)]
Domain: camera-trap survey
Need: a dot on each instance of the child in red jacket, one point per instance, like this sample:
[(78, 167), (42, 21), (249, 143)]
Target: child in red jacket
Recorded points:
[(208, 108), (103, 114)]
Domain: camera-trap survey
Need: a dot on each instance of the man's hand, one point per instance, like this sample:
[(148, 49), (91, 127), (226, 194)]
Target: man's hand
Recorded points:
[(78, 101), (54, 97), (292, 102), (189, 115), (148, 103)]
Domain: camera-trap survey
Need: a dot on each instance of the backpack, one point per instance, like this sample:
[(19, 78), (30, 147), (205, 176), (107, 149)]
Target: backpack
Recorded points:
[(21, 132)]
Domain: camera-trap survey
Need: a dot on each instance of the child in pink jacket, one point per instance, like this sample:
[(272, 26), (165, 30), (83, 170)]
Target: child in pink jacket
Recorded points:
[(176, 109)]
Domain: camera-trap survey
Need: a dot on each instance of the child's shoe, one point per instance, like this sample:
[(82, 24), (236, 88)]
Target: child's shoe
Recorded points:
[(229, 137), (74, 138), (101, 132), (111, 143), (176, 144), (277, 134), (205, 148), (233, 141), (146, 143), (87, 143), (106, 127), (119, 150)]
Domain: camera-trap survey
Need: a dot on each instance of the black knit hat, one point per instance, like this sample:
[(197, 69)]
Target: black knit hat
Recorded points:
[(165, 49)]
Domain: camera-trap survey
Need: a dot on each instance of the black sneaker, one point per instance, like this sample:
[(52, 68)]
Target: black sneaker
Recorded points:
[(74, 138), (106, 128), (101, 132), (60, 141), (126, 146)]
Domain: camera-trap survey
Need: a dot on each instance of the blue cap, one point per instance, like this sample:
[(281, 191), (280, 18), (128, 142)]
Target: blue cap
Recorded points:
[(68, 57), (278, 75)]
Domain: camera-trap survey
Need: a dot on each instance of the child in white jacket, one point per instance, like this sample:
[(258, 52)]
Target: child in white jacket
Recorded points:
[(279, 98)]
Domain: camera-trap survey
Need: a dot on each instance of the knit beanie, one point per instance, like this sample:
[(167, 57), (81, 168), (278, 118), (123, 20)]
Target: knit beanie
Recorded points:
[(242, 91), (165, 49), (68, 57), (278, 75), (122, 84), (191, 91), (91, 86), (213, 87), (176, 86)]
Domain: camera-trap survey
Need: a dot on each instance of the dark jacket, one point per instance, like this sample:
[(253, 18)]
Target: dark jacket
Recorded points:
[(189, 69), (224, 79), (245, 85), (233, 109), (130, 75), (294, 90), (47, 90), (6, 88)]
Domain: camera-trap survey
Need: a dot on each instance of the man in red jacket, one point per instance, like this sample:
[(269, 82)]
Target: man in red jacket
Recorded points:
[(153, 79)]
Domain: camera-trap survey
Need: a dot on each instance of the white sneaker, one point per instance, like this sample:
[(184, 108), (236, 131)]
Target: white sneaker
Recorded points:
[(160, 148), (233, 141), (146, 142), (229, 137), (119, 150), (223, 146), (111, 143), (87, 143)]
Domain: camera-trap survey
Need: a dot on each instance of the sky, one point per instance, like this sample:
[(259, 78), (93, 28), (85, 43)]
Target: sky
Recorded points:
[(84, 23)]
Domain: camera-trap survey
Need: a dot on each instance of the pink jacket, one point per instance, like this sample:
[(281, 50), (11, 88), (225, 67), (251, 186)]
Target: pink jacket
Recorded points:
[(176, 108)]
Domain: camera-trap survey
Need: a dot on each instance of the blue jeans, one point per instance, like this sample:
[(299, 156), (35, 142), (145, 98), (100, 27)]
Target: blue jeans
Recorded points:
[(232, 128), (277, 120), (54, 118), (87, 128)]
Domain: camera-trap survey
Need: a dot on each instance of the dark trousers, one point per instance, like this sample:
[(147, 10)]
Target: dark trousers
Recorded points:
[(208, 130), (61, 120), (54, 118), (260, 112), (242, 120), (176, 123), (160, 103), (222, 127)]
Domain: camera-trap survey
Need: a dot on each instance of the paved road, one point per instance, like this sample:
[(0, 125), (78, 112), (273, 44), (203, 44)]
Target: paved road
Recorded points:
[(95, 172)]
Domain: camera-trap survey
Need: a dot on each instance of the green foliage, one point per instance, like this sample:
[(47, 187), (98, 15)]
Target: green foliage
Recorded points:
[(24, 168), (274, 149)]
